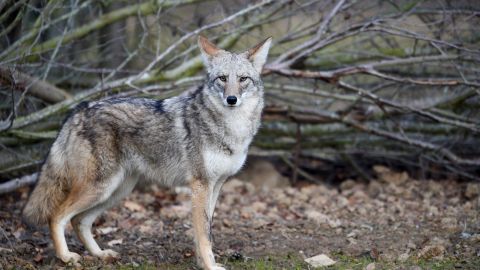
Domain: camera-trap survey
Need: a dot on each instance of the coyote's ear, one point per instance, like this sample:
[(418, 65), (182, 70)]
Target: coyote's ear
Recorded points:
[(258, 54), (208, 50)]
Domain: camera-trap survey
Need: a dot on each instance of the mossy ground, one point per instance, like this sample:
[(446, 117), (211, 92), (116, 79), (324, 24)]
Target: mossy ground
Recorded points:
[(294, 262)]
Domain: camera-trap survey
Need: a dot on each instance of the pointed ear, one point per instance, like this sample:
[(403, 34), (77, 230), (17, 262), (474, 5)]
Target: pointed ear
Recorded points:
[(258, 54), (208, 50)]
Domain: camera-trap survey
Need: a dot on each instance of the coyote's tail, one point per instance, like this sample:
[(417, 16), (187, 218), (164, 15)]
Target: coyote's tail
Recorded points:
[(44, 200)]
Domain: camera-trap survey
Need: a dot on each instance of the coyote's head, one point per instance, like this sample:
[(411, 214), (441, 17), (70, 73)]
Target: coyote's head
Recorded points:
[(234, 77)]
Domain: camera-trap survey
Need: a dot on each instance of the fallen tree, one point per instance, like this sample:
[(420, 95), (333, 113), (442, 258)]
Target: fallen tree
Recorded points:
[(398, 86)]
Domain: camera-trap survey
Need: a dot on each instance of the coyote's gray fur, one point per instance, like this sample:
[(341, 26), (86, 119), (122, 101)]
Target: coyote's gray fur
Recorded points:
[(198, 138)]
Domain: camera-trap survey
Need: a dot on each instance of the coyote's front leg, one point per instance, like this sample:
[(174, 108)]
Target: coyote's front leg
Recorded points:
[(201, 203)]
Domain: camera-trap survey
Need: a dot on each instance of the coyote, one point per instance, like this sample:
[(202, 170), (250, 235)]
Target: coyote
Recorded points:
[(199, 138)]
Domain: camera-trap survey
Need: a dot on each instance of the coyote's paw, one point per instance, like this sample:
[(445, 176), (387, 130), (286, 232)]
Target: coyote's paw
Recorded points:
[(218, 267), (70, 257), (108, 254)]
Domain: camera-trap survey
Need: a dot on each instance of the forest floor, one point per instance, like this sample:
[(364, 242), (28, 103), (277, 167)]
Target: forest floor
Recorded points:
[(392, 222)]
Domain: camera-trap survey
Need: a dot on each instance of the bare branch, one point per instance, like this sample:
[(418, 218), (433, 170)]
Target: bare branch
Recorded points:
[(17, 183), (36, 87)]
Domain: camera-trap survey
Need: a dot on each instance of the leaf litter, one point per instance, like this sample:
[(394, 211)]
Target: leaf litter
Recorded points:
[(390, 218)]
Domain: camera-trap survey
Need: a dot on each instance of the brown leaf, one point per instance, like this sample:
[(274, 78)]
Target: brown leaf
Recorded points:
[(18, 233), (133, 206), (38, 258)]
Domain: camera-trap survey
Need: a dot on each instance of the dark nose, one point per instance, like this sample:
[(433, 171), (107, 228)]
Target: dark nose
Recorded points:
[(232, 100)]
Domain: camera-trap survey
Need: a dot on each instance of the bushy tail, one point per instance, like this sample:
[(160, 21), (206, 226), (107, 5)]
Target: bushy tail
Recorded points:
[(44, 200)]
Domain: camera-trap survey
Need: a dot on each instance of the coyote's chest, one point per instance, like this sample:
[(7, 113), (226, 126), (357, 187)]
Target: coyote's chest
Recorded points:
[(226, 158), (219, 164)]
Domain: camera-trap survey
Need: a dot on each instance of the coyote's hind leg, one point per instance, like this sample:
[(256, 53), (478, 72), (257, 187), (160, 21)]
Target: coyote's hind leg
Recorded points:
[(82, 223), (74, 204)]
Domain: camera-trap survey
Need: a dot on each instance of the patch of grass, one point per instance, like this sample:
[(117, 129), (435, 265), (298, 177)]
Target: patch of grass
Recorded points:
[(295, 262), (345, 262), (272, 262), (348, 262)]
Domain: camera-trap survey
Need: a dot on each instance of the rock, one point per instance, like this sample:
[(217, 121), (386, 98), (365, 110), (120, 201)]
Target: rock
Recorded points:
[(432, 252), (176, 211), (301, 197), (319, 201), (334, 223), (433, 210), (403, 257), (347, 185), (475, 238), (320, 260), (317, 216), (321, 218), (388, 255), (359, 196), (374, 189), (259, 223), (259, 206), (352, 241), (411, 245), (151, 226), (353, 234), (370, 266), (282, 198), (472, 190), (386, 175), (449, 223), (435, 188), (263, 174), (233, 185), (379, 169), (341, 202), (314, 190)]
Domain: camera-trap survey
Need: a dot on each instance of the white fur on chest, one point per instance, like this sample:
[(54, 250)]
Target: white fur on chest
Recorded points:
[(219, 164)]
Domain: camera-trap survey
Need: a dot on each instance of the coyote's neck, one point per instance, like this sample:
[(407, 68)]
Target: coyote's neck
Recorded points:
[(218, 124)]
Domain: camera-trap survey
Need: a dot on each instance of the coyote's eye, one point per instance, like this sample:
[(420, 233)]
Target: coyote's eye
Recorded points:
[(223, 78), (242, 79)]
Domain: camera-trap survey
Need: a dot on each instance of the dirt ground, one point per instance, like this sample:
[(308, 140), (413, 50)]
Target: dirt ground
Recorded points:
[(390, 219)]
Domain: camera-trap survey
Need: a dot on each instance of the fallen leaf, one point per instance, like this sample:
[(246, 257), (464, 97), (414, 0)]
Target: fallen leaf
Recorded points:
[(227, 223), (133, 206), (106, 230), (38, 258), (432, 251), (18, 233), (115, 242)]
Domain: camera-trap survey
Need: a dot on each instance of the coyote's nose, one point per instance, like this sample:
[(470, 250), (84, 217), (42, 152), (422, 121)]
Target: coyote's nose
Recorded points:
[(232, 100)]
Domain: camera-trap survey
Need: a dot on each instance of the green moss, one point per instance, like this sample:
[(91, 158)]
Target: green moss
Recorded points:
[(347, 262), (295, 262), (273, 262)]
